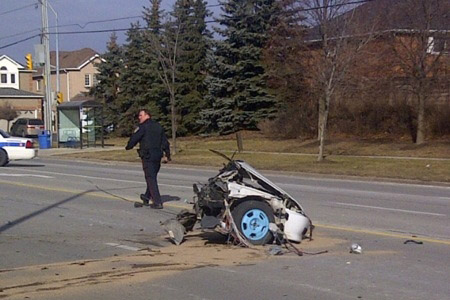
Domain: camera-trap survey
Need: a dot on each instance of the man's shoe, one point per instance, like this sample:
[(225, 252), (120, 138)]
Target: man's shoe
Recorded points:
[(156, 206), (145, 199)]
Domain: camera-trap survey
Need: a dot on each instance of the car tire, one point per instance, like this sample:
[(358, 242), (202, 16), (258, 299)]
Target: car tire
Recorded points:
[(252, 219), (3, 158), (23, 134)]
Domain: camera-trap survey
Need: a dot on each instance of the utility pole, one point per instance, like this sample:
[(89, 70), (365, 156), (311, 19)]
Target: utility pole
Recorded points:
[(58, 87), (45, 40), (57, 49)]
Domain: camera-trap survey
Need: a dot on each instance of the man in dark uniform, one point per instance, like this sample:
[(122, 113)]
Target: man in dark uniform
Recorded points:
[(153, 144)]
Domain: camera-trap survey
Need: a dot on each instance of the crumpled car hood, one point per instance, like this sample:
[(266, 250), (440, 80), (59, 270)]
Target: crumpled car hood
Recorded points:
[(271, 187)]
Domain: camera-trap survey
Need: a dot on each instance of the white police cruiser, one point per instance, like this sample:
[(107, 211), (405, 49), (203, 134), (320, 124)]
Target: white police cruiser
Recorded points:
[(15, 148)]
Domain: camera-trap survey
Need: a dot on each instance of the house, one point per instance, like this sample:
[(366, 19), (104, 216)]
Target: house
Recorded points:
[(77, 72), (16, 90), (23, 89), (409, 46), (411, 41)]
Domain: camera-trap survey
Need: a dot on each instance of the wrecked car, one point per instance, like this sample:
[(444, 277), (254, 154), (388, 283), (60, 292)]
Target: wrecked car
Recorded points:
[(242, 203)]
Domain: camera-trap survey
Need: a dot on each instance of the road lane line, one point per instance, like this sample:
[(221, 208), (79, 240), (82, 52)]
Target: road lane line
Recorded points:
[(25, 175), (89, 193), (380, 233), (122, 246), (289, 175), (360, 193), (391, 209), (107, 179)]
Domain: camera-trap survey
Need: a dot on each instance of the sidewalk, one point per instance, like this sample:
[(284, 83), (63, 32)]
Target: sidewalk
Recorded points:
[(62, 151)]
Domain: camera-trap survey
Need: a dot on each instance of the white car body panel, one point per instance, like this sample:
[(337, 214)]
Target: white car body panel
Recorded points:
[(15, 147), (241, 191), (255, 176)]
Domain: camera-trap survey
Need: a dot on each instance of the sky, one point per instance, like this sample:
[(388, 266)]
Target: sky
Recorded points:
[(20, 20)]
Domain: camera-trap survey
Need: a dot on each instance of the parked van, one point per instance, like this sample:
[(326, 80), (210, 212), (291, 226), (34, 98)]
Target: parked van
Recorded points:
[(27, 127)]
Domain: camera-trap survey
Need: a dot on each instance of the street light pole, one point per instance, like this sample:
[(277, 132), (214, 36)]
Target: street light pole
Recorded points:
[(57, 49), (58, 88), (45, 40)]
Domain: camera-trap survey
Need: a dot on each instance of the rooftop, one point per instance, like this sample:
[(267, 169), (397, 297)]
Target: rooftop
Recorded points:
[(16, 93)]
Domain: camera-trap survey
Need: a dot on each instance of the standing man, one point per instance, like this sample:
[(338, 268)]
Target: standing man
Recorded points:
[(153, 144)]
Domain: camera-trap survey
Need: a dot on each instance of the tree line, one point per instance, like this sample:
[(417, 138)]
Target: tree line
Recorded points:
[(291, 68)]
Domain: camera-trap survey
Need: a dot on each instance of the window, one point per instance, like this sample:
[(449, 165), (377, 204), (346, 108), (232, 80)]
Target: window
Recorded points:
[(438, 45), (3, 68), (87, 80), (38, 85), (13, 78), (3, 78), (441, 45), (94, 79), (35, 122)]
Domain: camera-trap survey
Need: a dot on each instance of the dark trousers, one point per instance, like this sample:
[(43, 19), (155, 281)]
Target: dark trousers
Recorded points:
[(151, 169)]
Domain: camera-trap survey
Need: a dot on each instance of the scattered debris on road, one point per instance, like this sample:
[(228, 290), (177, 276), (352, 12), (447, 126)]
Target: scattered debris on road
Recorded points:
[(413, 242), (175, 230), (355, 248), (275, 250)]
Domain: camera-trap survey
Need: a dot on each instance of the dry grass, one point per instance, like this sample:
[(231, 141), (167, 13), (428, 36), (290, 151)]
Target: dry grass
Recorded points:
[(297, 156), (337, 146)]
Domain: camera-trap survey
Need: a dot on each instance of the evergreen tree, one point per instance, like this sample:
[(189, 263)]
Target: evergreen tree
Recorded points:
[(193, 42), (152, 15), (133, 84), (157, 98), (107, 87), (237, 91)]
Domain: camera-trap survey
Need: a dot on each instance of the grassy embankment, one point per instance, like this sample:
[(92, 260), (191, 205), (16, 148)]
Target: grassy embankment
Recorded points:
[(344, 157)]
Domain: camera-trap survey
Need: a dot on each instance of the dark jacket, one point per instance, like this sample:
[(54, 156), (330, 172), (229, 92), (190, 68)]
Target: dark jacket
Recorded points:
[(152, 140)]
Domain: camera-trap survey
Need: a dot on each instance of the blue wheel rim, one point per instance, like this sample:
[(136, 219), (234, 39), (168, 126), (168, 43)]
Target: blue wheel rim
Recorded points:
[(255, 224)]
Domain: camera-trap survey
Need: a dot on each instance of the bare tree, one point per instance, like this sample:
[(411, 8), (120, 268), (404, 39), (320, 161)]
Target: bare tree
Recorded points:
[(418, 52), (165, 48), (8, 113), (337, 37)]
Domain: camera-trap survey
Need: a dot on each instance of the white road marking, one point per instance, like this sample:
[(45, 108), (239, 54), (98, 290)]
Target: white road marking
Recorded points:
[(357, 192), (107, 179), (391, 209), (25, 175), (168, 288), (225, 270), (379, 182), (122, 246)]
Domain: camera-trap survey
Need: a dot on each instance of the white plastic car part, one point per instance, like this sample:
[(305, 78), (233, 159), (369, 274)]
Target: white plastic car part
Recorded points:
[(295, 225), (241, 191)]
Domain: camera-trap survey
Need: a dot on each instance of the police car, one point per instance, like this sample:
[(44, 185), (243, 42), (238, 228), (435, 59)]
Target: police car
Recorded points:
[(15, 148)]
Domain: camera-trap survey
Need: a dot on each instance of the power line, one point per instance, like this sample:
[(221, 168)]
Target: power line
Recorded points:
[(305, 9), (16, 9), (17, 42), (73, 24), (96, 31), (333, 5), (130, 17), (20, 33), (101, 21), (210, 21)]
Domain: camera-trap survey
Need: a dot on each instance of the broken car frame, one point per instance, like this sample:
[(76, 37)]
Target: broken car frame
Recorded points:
[(243, 204)]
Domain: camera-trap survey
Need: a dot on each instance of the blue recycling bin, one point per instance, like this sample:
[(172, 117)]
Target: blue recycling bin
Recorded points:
[(44, 139)]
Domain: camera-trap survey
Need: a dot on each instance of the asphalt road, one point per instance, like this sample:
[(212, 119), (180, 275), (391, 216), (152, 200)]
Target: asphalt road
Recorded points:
[(58, 210)]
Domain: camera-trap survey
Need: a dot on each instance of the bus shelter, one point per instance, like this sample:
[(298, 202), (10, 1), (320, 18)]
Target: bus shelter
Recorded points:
[(80, 124)]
